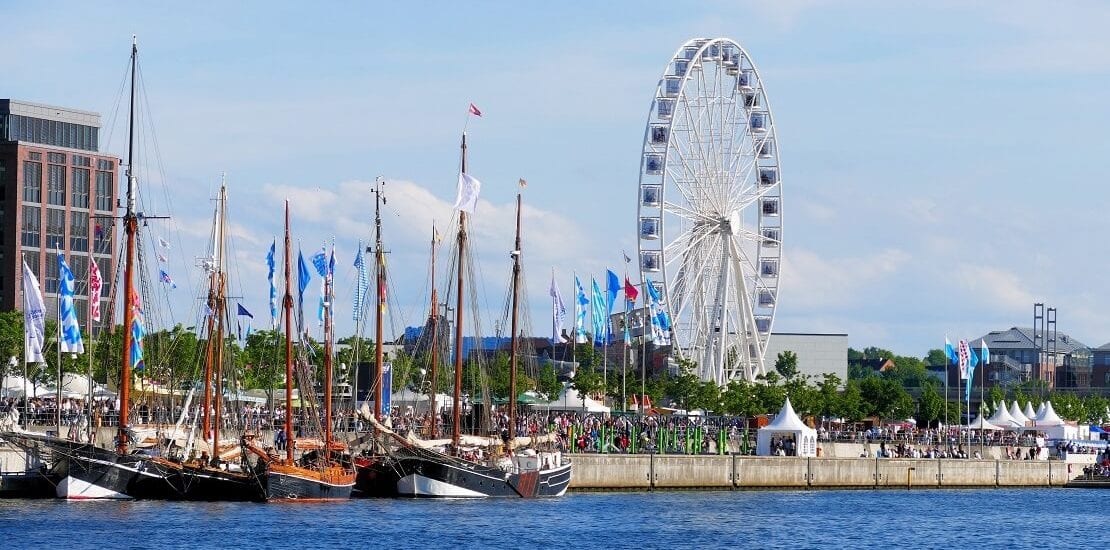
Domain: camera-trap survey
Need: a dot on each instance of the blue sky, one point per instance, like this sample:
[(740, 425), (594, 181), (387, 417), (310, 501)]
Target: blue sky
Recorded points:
[(942, 164)]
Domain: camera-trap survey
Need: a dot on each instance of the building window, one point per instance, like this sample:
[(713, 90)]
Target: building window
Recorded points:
[(55, 228), (50, 281), (79, 264), (56, 184), (79, 232), (102, 241), (80, 188), (56, 158), (31, 226), (32, 181), (81, 160), (34, 155), (104, 191), (105, 164), (32, 259)]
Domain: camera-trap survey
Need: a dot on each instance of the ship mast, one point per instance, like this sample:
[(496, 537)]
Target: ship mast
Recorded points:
[(287, 305), (514, 339), (457, 403), (206, 423), (220, 310), (131, 226), (379, 275), (327, 358), (435, 342)]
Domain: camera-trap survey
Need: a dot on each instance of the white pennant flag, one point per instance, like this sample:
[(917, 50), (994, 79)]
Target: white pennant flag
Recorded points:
[(34, 318), (467, 198)]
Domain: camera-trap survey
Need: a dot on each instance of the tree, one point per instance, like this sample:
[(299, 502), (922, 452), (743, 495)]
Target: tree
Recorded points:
[(851, 406), (684, 387), (787, 364), (909, 372), (829, 397), (935, 358), (547, 383), (931, 405)]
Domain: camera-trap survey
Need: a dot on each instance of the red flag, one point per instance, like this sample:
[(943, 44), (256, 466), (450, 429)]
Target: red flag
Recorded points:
[(474, 110), (630, 292), (95, 285)]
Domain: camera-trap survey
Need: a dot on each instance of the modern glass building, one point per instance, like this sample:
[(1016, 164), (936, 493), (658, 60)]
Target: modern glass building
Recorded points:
[(57, 193)]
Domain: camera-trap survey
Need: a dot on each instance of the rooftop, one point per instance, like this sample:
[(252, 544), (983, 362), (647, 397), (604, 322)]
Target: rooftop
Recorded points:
[(49, 112)]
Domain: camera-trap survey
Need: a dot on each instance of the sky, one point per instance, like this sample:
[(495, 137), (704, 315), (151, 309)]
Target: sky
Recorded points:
[(942, 163)]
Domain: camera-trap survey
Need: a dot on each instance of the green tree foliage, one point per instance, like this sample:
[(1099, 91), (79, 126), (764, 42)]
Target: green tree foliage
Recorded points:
[(786, 364), (931, 405), (935, 358)]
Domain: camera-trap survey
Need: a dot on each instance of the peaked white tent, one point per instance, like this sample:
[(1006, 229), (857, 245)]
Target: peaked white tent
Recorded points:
[(571, 400), (14, 386), (1015, 412), (419, 402), (1003, 419), (981, 423), (1028, 411), (1040, 410), (1048, 417), (787, 424)]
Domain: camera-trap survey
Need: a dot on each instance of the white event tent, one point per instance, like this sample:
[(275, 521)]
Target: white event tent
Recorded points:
[(787, 423), (1015, 412), (1003, 419), (1028, 411), (1052, 425), (571, 400)]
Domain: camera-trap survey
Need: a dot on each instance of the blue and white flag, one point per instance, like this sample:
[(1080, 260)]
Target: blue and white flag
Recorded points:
[(361, 285), (612, 288), (34, 318), (597, 310), (273, 289), (581, 305), (320, 261), (71, 331), (950, 352), (165, 278), (660, 320), (558, 310), (303, 276)]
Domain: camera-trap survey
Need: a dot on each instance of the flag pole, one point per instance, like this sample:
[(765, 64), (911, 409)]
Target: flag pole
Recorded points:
[(58, 382)]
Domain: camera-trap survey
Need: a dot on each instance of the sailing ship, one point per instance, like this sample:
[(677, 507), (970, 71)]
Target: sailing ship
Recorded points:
[(87, 471), (476, 466), (323, 471), (226, 474)]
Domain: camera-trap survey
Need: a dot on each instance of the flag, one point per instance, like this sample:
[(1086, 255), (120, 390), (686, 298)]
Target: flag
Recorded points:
[(474, 110), (162, 258), (273, 289), (303, 276), (627, 259), (612, 288), (436, 236), (95, 286), (469, 188), (162, 242), (984, 353), (362, 284), (242, 312), (580, 305), (630, 292), (165, 278), (963, 355), (558, 309), (660, 320), (522, 183), (950, 352), (137, 333), (320, 261), (597, 310), (67, 315), (34, 318)]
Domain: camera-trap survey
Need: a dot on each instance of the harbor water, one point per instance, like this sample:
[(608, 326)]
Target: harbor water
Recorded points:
[(990, 518)]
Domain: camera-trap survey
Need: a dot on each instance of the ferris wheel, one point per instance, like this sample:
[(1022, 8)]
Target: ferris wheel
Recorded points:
[(710, 208)]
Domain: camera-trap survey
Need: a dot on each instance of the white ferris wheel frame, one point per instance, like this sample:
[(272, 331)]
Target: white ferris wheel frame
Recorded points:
[(713, 237)]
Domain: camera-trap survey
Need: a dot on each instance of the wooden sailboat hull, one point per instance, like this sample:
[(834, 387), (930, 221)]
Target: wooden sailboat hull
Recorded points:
[(87, 472), (426, 474), (198, 483), (296, 483), (375, 477)]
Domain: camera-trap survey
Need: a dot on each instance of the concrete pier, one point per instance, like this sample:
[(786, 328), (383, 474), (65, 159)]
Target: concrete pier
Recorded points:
[(648, 472)]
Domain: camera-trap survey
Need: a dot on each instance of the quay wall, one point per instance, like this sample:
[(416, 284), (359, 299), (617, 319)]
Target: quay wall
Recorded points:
[(648, 472)]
